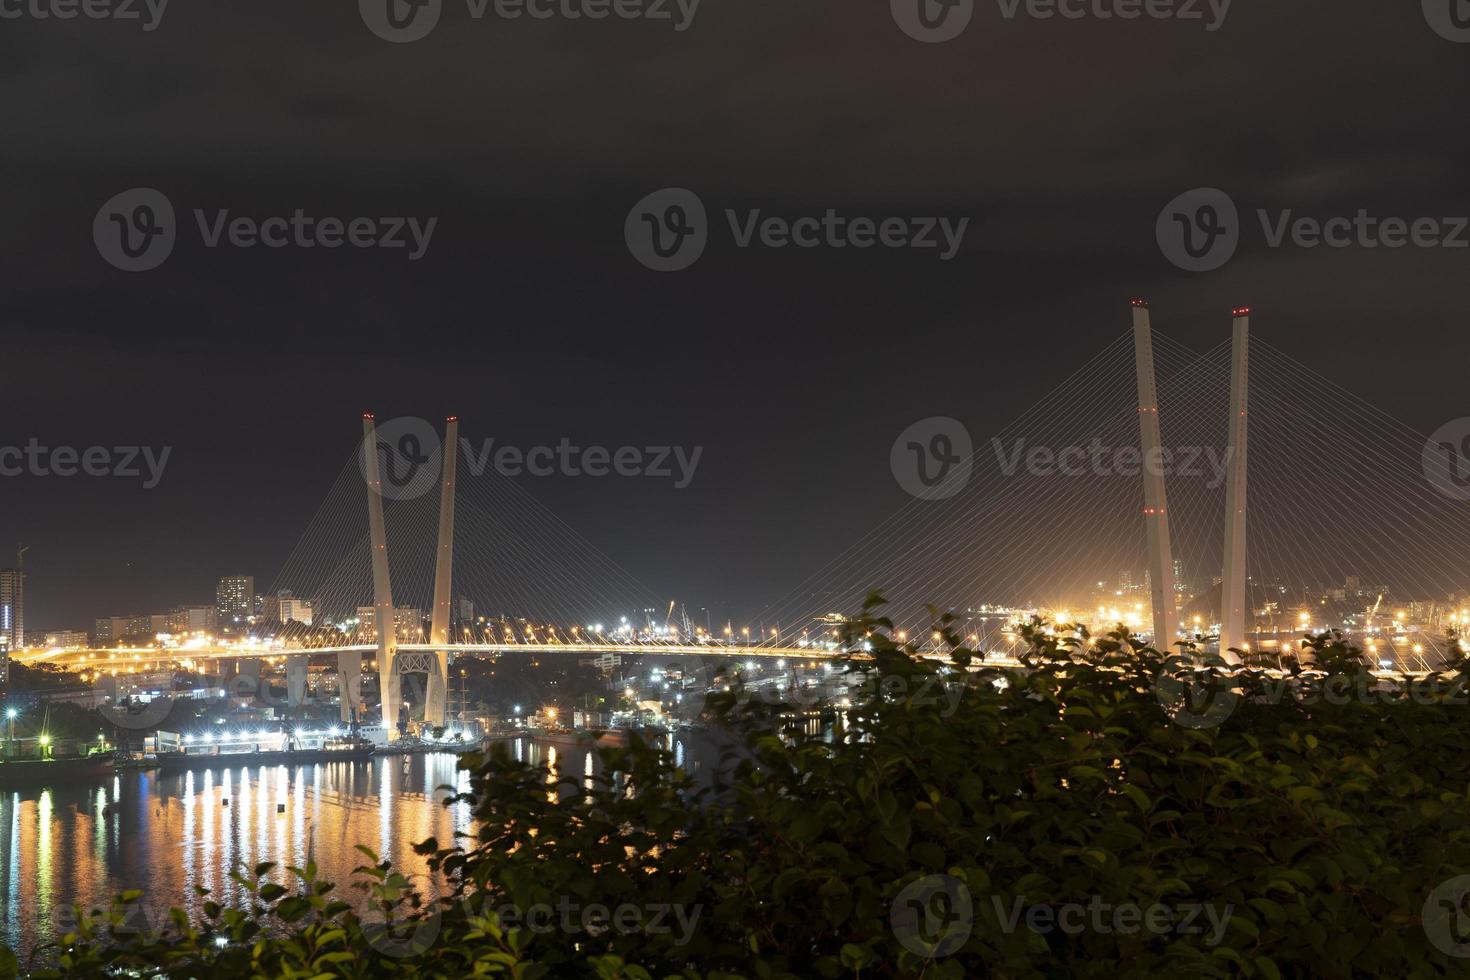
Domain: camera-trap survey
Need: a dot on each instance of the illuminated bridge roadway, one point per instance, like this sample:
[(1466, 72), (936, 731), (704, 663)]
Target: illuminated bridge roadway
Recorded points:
[(138, 657)]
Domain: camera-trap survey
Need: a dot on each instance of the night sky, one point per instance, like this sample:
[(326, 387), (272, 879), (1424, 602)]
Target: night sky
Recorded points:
[(528, 317)]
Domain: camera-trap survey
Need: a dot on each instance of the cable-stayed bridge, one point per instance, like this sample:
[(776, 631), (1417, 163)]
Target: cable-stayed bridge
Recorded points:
[(1341, 517), (1232, 495)]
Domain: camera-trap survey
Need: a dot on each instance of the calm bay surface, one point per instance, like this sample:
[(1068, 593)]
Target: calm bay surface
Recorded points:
[(84, 843)]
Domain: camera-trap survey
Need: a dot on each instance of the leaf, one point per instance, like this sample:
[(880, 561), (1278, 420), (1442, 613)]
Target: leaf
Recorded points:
[(1139, 797)]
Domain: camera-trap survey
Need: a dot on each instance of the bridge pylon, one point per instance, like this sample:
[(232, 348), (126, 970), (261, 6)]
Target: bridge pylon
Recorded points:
[(389, 680), (1234, 599), (436, 705), (1155, 500)]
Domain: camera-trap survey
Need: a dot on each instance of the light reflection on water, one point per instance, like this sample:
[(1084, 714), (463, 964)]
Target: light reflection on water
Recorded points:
[(83, 843)]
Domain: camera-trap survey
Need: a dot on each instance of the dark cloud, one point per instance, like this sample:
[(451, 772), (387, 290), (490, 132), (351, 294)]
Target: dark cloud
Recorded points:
[(529, 142)]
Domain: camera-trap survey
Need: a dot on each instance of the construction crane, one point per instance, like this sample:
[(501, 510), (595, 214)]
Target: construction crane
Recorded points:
[(1368, 625), (688, 631)]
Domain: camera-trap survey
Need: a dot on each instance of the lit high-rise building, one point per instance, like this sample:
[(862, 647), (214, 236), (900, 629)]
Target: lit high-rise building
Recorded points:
[(115, 629), (235, 598), (12, 617), (190, 619), (408, 624), (66, 640), (293, 610)]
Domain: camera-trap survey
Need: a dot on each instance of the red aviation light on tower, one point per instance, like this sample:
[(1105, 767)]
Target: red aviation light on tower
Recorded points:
[(1139, 304), (368, 416), (452, 418), (1241, 311)]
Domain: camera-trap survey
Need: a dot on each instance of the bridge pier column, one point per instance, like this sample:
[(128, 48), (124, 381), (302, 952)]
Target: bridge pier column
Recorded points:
[(296, 680), (436, 700), (349, 685), (390, 691)]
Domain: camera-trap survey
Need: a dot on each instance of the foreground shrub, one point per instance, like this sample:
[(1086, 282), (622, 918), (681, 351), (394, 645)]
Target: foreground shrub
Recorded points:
[(1091, 815)]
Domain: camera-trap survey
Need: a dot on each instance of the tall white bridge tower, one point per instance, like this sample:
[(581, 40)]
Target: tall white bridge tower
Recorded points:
[(1234, 599)]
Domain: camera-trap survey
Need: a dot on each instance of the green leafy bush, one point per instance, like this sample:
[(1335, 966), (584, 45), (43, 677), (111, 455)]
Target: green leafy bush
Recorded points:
[(957, 820)]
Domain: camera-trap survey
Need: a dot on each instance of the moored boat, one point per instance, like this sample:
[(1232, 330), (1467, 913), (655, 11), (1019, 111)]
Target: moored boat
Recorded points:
[(40, 772), (332, 750)]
